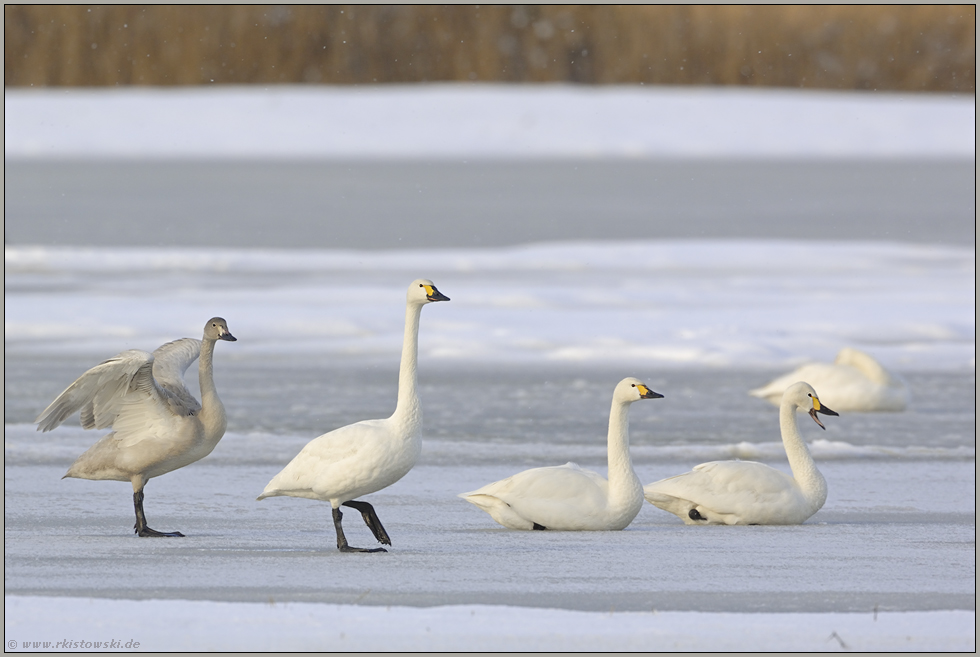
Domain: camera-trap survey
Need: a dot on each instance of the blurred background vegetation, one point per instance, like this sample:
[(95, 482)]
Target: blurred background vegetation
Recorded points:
[(882, 47)]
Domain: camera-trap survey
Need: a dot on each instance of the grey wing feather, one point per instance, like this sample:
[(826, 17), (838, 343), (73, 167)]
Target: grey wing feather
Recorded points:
[(170, 361), (98, 391)]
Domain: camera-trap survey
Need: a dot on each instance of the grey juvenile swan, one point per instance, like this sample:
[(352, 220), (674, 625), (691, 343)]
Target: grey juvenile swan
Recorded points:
[(157, 424)]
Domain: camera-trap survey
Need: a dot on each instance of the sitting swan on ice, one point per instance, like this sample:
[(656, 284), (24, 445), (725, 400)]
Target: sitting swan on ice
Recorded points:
[(157, 424), (750, 493), (567, 497), (854, 382), (366, 456)]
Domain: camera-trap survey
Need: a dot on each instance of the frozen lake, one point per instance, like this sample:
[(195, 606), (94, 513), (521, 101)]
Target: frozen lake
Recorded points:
[(705, 277)]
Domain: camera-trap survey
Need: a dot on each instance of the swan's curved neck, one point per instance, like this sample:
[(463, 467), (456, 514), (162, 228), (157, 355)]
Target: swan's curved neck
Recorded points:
[(409, 409), (212, 413), (812, 483), (622, 478)]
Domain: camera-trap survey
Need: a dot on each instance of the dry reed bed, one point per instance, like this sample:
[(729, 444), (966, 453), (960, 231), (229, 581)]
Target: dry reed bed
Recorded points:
[(891, 47)]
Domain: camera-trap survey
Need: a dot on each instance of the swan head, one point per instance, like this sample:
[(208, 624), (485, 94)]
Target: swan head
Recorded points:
[(422, 290), (217, 329), (804, 397), (630, 390)]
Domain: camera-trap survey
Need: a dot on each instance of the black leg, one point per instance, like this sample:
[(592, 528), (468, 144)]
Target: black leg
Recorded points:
[(342, 540), (538, 527), (694, 515), (140, 525), (371, 520)]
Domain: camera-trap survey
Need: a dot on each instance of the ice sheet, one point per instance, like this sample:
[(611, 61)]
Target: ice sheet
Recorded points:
[(483, 121), (671, 303)]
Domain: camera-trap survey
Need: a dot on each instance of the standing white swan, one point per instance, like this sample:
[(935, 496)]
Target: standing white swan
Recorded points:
[(367, 456), (854, 382), (157, 424), (567, 497), (750, 493)]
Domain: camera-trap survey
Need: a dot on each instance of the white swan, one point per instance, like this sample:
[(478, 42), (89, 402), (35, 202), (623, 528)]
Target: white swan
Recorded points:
[(567, 497), (367, 456), (854, 382), (157, 424), (750, 493)]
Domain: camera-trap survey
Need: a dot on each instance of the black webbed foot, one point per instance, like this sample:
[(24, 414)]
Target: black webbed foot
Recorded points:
[(348, 548), (140, 528), (146, 531), (538, 527), (694, 515)]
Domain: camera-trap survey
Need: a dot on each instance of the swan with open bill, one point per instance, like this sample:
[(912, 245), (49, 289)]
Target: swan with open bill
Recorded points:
[(568, 497), (365, 457), (854, 382), (157, 424), (750, 493)]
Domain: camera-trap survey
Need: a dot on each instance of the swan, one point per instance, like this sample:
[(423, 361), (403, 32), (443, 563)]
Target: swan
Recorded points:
[(158, 425), (750, 493), (366, 456), (568, 497), (854, 382)]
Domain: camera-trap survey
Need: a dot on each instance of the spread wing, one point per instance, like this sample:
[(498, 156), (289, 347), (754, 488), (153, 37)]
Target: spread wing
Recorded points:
[(108, 389), (170, 361)]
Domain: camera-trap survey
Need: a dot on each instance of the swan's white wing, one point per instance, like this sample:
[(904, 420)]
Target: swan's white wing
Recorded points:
[(170, 361), (559, 497), (553, 482), (346, 463), (737, 488)]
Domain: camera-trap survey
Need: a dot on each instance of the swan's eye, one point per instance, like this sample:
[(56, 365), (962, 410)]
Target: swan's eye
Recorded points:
[(632, 385)]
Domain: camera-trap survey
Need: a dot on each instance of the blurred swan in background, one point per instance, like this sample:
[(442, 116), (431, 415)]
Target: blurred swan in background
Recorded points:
[(854, 382)]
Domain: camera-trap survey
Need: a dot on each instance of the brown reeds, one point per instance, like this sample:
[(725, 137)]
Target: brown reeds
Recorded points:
[(884, 47)]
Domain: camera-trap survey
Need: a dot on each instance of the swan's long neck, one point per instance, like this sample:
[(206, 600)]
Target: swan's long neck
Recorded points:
[(409, 410), (812, 483), (212, 413), (623, 482)]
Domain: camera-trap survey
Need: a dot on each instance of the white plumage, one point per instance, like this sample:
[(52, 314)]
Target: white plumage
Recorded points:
[(367, 456), (567, 497), (750, 493), (854, 382), (158, 425)]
